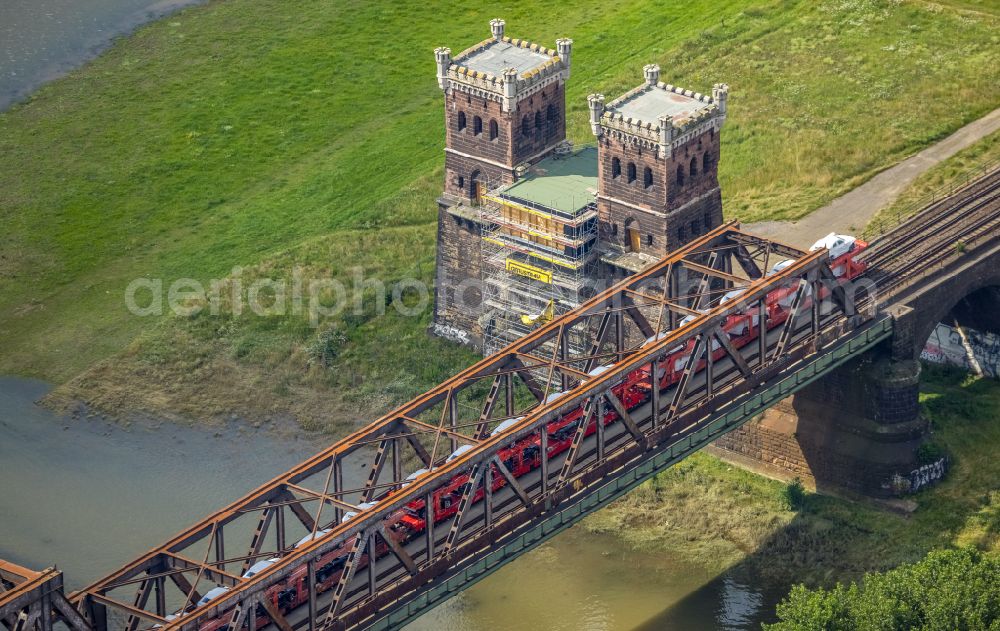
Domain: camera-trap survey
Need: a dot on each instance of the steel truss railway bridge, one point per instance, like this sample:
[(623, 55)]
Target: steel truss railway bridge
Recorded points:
[(527, 386)]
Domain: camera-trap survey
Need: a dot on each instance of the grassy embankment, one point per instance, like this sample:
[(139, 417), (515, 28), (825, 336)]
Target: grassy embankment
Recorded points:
[(269, 136), (720, 517)]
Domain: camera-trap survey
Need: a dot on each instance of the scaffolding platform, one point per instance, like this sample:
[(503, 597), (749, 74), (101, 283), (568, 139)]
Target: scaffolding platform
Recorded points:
[(539, 246)]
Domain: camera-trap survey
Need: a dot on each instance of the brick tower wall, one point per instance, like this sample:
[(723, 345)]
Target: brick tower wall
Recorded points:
[(457, 292), (539, 140), (494, 159), (677, 212), (529, 112), (463, 168)]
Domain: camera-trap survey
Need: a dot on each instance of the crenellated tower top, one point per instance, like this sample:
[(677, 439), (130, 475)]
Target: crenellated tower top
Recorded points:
[(659, 152), (503, 69), (655, 115), (505, 108)]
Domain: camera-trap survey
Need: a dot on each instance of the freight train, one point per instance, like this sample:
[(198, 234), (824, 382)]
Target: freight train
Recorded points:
[(524, 455)]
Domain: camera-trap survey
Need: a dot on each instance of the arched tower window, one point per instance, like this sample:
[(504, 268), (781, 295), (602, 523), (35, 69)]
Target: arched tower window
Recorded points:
[(477, 125), (694, 166), (538, 119), (706, 162), (494, 130), (552, 114), (525, 126), (461, 121), (631, 172), (680, 175), (647, 177), (616, 167)]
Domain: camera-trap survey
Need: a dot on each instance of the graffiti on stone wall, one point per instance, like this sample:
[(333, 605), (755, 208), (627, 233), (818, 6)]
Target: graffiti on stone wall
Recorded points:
[(945, 346), (451, 333), (919, 478)]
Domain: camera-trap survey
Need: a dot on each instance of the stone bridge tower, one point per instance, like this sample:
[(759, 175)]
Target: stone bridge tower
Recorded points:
[(505, 109), (505, 106), (658, 165)]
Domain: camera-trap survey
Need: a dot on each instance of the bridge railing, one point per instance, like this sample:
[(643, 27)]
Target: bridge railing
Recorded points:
[(893, 217)]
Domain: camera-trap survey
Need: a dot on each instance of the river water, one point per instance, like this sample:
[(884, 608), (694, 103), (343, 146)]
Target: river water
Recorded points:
[(43, 39), (87, 496)]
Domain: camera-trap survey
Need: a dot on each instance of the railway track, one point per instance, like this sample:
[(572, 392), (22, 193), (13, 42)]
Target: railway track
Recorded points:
[(941, 204), (940, 232)]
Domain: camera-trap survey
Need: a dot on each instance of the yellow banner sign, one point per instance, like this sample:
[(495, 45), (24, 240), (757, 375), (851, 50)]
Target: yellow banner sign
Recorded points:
[(529, 271)]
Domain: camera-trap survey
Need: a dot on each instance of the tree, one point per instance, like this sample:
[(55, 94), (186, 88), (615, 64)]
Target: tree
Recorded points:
[(948, 590)]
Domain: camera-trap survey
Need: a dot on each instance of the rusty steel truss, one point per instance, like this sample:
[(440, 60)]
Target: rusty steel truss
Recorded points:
[(531, 383), (34, 601)]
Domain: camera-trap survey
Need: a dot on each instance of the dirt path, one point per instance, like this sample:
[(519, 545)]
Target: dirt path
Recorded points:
[(851, 212)]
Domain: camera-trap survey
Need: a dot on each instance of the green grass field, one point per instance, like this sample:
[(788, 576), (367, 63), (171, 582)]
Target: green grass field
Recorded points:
[(720, 516), (266, 135)]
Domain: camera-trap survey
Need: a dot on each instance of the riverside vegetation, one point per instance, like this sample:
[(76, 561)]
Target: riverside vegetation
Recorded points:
[(950, 589)]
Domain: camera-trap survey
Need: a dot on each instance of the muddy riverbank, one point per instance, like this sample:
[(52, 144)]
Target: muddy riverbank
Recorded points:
[(44, 39)]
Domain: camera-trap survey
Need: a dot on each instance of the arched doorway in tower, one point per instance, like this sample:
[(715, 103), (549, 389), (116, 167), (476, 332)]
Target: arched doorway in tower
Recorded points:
[(633, 240), (476, 187)]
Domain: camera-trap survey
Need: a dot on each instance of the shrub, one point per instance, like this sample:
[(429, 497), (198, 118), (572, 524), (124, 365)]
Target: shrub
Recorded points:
[(948, 589), (325, 348), (793, 495)]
